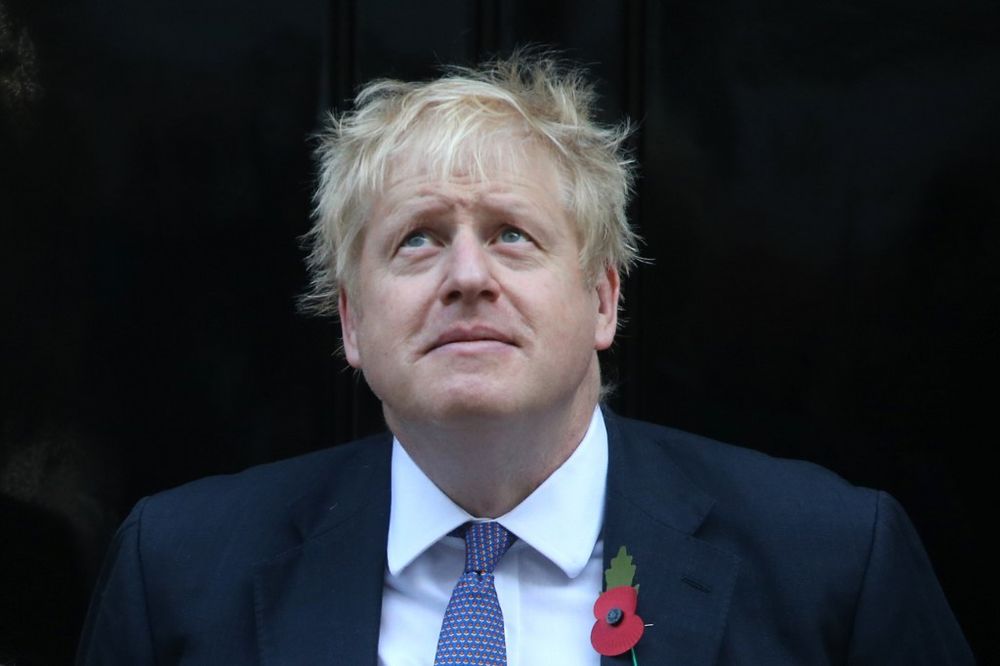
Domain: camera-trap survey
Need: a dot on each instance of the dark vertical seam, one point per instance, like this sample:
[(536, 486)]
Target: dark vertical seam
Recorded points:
[(864, 576), (347, 65), (142, 576), (487, 17), (635, 81)]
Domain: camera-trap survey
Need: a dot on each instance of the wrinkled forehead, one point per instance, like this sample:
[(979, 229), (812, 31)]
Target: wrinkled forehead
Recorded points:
[(475, 153)]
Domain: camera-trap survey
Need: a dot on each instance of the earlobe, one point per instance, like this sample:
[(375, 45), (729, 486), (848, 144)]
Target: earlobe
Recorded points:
[(608, 288), (348, 330)]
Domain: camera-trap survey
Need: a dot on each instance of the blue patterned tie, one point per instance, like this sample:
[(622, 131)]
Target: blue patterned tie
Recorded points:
[(472, 629)]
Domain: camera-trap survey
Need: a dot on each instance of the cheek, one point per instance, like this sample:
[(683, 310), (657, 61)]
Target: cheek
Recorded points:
[(561, 310), (393, 313), (574, 297)]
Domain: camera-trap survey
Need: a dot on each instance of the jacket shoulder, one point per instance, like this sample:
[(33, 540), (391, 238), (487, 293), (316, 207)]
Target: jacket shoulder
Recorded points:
[(253, 506), (757, 496), (723, 469)]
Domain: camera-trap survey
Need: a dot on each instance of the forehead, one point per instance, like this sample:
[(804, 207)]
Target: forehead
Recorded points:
[(508, 175)]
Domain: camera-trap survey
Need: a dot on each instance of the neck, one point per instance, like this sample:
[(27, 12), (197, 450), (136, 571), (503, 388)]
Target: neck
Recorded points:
[(488, 465)]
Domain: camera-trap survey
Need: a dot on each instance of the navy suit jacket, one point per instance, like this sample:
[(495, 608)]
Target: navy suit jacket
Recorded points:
[(741, 559)]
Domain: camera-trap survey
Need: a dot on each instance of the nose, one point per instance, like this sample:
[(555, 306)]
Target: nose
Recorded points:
[(469, 271)]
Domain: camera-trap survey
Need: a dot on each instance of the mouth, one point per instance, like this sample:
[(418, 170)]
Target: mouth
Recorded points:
[(471, 337)]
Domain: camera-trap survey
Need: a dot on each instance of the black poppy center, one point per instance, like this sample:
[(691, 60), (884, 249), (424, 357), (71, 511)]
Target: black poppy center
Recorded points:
[(615, 616)]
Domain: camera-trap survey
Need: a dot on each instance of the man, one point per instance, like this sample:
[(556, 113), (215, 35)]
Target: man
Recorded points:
[(470, 233)]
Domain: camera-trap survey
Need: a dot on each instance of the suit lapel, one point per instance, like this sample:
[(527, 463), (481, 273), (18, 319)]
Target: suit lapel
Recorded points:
[(685, 583), (320, 603)]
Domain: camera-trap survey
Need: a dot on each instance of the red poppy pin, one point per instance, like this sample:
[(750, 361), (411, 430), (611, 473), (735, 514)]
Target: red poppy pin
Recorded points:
[(617, 628)]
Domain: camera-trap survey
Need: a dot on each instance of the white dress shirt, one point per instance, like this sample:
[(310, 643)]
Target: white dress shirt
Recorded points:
[(547, 582)]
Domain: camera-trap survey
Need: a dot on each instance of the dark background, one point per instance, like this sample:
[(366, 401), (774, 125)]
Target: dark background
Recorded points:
[(819, 190)]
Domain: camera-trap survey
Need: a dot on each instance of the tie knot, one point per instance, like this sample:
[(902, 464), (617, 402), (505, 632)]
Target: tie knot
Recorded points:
[(485, 544)]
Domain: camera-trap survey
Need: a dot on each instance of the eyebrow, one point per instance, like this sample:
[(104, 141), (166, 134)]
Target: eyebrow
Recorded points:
[(419, 206), (428, 202), (508, 202)]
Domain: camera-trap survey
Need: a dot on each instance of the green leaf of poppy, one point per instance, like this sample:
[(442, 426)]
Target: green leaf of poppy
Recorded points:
[(621, 572)]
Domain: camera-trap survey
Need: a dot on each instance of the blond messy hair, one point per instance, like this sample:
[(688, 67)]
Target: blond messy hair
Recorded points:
[(470, 119)]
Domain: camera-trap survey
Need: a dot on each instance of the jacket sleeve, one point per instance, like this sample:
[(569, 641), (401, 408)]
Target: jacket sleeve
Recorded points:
[(117, 629), (902, 616)]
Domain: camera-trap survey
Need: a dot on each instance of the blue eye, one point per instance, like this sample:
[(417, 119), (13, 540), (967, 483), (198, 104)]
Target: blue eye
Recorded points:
[(416, 239), (511, 235)]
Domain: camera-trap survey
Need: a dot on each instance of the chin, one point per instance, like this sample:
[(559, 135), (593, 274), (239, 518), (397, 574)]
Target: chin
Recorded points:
[(471, 408), (453, 404)]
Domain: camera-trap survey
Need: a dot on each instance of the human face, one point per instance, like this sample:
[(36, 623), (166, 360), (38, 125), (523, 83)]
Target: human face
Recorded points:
[(470, 300)]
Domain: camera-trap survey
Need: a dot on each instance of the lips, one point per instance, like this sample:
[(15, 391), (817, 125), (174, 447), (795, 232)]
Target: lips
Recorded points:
[(477, 333)]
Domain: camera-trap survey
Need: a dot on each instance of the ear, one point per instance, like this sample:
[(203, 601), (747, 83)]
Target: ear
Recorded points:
[(349, 330), (608, 286)]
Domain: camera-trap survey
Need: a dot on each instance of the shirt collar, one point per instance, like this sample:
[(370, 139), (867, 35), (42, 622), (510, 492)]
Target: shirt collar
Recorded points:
[(561, 519)]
